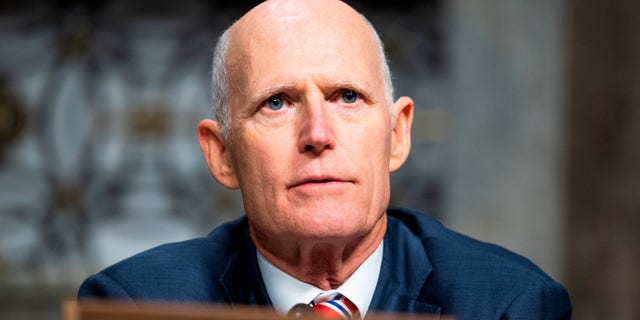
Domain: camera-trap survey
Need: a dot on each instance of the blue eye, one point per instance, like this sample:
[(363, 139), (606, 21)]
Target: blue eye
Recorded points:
[(275, 103), (349, 96)]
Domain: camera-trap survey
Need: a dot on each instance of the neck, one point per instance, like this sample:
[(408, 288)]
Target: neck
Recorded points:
[(326, 264)]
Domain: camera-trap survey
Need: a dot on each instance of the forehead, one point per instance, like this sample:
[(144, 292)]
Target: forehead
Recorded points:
[(299, 20), (292, 43)]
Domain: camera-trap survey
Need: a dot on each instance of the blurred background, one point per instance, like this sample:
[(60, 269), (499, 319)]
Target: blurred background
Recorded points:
[(526, 134)]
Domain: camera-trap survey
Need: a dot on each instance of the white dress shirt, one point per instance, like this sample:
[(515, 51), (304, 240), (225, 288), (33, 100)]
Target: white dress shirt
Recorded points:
[(286, 291)]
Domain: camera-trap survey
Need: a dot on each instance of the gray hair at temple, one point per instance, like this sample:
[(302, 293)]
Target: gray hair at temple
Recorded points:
[(220, 84)]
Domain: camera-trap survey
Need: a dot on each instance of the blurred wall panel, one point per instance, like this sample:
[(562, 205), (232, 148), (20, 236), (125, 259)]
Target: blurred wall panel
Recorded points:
[(505, 170), (604, 159)]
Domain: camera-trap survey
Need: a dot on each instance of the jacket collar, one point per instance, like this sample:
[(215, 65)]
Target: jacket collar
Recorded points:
[(242, 281), (403, 274)]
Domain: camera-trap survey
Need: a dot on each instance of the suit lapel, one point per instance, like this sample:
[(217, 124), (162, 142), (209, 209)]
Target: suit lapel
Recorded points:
[(403, 274), (242, 281)]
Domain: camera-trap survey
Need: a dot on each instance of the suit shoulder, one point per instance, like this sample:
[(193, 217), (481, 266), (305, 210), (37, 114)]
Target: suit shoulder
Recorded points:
[(206, 251), (457, 251), (174, 271), (468, 271)]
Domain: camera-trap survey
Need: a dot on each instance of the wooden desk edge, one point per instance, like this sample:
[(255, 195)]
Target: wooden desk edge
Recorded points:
[(111, 310)]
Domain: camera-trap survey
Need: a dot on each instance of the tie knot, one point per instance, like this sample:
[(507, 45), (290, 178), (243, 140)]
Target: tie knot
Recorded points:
[(333, 305)]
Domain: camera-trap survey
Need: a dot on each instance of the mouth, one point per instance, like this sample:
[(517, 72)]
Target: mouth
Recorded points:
[(318, 181)]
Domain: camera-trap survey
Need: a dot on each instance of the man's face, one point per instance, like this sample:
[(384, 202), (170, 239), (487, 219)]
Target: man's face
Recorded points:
[(310, 128)]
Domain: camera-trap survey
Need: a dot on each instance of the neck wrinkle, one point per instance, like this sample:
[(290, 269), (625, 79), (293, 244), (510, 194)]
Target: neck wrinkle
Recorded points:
[(326, 264)]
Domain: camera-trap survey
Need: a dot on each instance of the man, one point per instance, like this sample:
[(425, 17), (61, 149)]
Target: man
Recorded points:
[(307, 129)]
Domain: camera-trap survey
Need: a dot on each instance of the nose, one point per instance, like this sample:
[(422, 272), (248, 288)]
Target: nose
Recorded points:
[(316, 128)]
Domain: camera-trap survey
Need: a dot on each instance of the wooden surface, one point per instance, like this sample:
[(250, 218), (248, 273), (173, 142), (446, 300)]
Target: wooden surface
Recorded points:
[(109, 310)]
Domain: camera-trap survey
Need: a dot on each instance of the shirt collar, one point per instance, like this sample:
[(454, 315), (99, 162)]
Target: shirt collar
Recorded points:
[(286, 291)]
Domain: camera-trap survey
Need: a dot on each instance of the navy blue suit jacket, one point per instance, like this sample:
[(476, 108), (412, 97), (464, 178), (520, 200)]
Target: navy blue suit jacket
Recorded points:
[(426, 268)]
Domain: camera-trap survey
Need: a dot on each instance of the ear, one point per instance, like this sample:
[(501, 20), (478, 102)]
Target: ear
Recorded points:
[(401, 133), (216, 153)]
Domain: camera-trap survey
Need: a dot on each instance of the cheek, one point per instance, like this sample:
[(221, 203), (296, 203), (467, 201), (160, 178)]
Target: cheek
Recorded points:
[(260, 164), (254, 167), (379, 150), (256, 184), (375, 145), (371, 153)]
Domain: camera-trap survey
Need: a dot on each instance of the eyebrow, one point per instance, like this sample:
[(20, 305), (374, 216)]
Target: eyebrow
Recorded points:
[(351, 85), (367, 95), (271, 91)]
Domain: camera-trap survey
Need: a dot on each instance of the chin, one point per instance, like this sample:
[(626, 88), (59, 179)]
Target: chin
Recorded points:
[(331, 229), (324, 220)]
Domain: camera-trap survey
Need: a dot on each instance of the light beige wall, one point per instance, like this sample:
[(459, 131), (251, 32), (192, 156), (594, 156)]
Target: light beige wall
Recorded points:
[(505, 174)]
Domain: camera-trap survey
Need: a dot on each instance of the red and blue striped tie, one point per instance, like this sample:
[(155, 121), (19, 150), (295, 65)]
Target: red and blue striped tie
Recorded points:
[(333, 305)]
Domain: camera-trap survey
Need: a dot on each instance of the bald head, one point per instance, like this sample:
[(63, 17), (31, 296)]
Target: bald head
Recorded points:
[(285, 27), (279, 18)]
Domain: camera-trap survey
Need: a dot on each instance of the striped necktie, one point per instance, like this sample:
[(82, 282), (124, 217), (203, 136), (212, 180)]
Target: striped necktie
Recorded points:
[(333, 305)]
